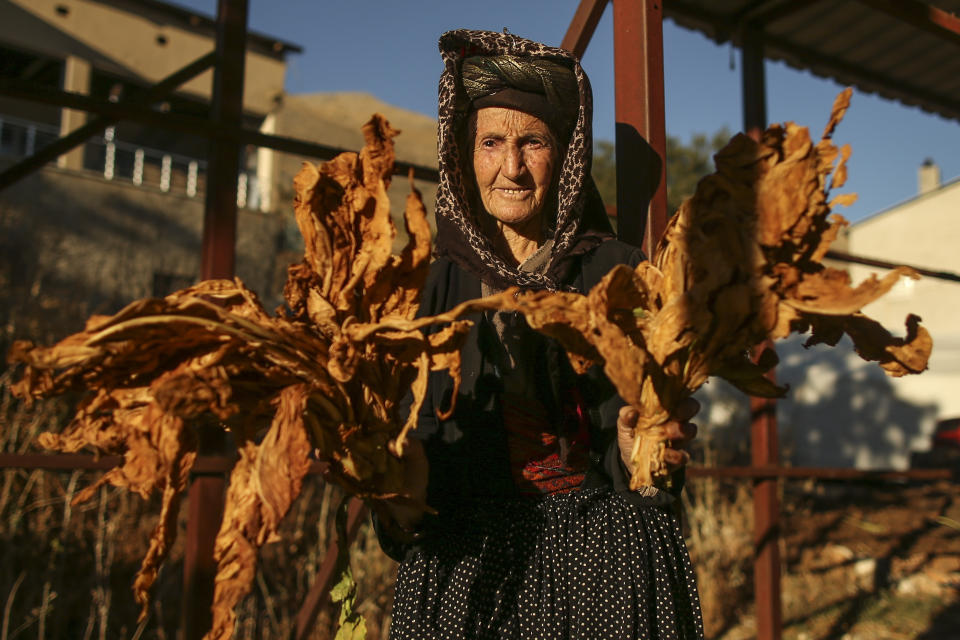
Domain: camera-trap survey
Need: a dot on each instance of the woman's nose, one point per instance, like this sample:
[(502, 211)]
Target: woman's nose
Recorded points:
[(513, 164)]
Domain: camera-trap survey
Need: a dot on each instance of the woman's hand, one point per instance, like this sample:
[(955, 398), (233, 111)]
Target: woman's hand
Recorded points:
[(679, 434), (407, 512)]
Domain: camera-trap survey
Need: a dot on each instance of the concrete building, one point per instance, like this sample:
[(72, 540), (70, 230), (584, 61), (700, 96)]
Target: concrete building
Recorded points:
[(120, 217), (922, 231), (114, 50)]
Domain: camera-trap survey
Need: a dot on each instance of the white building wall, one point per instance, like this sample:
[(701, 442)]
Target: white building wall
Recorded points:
[(844, 412), (924, 232)]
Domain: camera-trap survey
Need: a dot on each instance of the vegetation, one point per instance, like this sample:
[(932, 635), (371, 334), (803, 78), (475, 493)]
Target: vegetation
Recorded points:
[(66, 572), (687, 163)]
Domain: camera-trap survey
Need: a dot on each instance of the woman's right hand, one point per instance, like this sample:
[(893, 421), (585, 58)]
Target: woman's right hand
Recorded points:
[(679, 432), (406, 513)]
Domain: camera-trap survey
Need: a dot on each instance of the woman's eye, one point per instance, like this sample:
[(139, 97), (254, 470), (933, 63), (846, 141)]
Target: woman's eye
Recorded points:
[(488, 144)]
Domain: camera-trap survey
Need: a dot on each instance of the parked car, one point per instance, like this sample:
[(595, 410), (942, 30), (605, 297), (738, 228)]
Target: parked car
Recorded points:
[(944, 447)]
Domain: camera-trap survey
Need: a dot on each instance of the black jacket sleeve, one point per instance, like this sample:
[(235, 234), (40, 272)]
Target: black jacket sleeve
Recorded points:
[(394, 544)]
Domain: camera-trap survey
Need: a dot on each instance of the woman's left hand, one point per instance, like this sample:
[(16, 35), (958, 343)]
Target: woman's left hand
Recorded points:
[(680, 431)]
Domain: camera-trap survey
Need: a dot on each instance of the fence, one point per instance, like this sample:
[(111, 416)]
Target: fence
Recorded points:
[(119, 160)]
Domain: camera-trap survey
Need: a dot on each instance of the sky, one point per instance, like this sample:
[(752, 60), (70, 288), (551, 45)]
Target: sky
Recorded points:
[(389, 49)]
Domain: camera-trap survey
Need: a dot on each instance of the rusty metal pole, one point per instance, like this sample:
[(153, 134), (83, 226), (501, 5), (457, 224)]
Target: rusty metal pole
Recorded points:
[(319, 594), (641, 143), (582, 26), (764, 442), (223, 166), (206, 496)]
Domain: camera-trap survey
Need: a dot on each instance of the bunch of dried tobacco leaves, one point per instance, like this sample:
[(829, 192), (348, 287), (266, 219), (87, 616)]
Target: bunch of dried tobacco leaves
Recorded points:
[(325, 376), (739, 262)]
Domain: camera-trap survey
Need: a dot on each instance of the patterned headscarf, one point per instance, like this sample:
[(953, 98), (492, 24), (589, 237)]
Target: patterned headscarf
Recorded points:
[(539, 86), (580, 218)]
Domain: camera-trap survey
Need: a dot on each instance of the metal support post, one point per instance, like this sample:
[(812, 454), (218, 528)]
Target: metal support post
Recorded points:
[(217, 261), (223, 165), (764, 443), (765, 448), (319, 593), (583, 25), (641, 143), (754, 87), (76, 79), (204, 514)]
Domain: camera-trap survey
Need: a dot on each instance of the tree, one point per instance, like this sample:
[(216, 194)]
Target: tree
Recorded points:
[(686, 165)]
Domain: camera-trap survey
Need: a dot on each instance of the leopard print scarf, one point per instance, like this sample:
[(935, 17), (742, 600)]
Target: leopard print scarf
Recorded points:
[(581, 221)]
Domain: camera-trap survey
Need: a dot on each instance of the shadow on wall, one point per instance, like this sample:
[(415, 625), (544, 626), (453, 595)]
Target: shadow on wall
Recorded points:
[(839, 412)]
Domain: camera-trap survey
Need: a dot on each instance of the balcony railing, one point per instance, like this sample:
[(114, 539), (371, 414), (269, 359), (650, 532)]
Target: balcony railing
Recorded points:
[(119, 160)]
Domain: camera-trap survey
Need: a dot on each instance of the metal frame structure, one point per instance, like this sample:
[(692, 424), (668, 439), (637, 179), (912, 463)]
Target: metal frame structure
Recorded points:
[(640, 146), (638, 59)]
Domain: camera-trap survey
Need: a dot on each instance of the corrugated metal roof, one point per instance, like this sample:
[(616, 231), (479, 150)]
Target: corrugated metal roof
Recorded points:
[(897, 53)]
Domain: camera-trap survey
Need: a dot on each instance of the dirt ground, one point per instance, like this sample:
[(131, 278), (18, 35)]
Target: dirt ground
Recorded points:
[(868, 562)]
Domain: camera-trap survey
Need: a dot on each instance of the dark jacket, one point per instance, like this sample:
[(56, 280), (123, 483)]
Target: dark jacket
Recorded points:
[(468, 452)]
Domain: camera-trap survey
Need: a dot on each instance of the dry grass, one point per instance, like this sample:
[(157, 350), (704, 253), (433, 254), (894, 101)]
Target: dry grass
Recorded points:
[(71, 568), (719, 521), (67, 571), (858, 563)]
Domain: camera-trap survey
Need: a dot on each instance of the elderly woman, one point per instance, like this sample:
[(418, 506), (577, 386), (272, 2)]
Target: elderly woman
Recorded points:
[(536, 534)]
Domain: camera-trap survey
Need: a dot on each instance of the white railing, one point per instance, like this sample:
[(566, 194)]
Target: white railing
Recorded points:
[(122, 161)]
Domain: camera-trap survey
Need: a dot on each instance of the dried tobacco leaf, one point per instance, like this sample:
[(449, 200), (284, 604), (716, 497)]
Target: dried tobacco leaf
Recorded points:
[(738, 263), (327, 374)]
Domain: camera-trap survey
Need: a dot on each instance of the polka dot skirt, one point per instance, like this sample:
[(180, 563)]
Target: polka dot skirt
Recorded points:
[(584, 565)]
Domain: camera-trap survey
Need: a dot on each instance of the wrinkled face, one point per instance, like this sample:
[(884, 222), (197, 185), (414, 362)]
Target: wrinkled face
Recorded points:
[(515, 157)]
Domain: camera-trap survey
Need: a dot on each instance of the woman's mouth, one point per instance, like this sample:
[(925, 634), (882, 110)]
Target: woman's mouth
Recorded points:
[(518, 194)]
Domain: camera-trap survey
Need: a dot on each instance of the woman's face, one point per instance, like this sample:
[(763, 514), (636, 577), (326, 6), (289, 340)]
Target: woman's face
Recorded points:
[(515, 158)]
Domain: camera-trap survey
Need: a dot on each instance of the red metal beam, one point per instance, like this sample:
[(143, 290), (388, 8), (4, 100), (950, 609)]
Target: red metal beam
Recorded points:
[(220, 219), (641, 137), (223, 464), (921, 15), (87, 462), (319, 593), (886, 264), (765, 450), (207, 492), (583, 25), (764, 443), (204, 514), (820, 473)]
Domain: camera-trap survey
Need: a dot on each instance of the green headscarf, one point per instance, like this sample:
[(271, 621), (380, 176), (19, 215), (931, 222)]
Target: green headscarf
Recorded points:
[(539, 86)]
